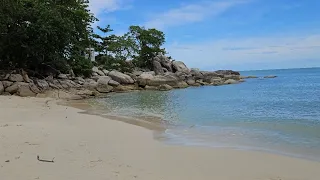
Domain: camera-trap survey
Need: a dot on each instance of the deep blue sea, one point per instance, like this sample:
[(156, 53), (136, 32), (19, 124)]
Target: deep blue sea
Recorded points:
[(280, 115)]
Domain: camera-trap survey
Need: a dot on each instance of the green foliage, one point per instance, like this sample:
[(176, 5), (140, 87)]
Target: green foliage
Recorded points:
[(81, 66), (37, 32), (149, 42)]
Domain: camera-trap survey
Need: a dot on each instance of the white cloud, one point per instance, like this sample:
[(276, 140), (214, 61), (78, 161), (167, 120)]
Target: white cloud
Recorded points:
[(191, 13), (235, 53)]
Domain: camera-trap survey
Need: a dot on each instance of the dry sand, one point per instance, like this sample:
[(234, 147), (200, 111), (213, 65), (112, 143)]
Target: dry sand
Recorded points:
[(87, 147)]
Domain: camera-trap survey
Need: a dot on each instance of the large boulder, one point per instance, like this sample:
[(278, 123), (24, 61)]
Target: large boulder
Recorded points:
[(7, 83), (90, 84), (164, 61), (1, 88), (13, 88), (106, 72), (113, 83), (196, 74), (166, 79), (207, 76), (104, 80), (79, 80), (102, 88), (42, 84), (24, 90), (97, 71), (191, 82), (16, 78), (144, 78), (157, 67), (120, 77), (180, 66)]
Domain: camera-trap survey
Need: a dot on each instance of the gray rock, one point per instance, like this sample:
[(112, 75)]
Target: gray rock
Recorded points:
[(144, 78), (270, 76), (137, 73), (235, 77), (104, 80), (79, 80), (124, 88), (7, 83), (196, 74), (13, 88), (24, 90), (90, 84), (180, 66), (67, 84), (227, 72), (62, 76), (95, 74), (99, 72), (150, 87), (165, 87), (1, 88), (165, 62), (16, 78), (101, 88), (191, 82), (181, 84), (166, 79), (106, 72), (216, 81), (120, 77), (72, 75), (157, 67), (42, 84), (113, 83), (231, 81), (55, 84), (4, 77), (26, 77), (34, 88)]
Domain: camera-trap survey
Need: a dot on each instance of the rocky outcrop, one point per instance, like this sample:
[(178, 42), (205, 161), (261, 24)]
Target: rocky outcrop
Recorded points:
[(120, 77), (269, 77), (1, 88), (16, 78), (180, 67), (227, 72)]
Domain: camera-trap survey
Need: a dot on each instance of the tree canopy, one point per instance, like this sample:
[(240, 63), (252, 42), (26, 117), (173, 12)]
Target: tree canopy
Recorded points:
[(37, 34)]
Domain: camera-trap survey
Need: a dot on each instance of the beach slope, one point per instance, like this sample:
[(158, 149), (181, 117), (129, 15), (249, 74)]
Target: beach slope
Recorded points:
[(86, 147)]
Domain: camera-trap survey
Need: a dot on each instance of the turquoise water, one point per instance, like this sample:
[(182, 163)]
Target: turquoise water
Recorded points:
[(279, 115)]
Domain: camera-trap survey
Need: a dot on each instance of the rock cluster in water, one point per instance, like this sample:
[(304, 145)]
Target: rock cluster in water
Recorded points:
[(167, 75)]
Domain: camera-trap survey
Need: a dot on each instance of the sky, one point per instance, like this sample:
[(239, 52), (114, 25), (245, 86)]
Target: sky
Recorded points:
[(225, 34)]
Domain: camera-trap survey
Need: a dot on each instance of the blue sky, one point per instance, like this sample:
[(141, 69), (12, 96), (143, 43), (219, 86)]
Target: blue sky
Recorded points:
[(225, 34)]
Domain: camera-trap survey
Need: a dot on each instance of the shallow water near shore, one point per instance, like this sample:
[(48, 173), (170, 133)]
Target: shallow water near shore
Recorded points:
[(280, 115)]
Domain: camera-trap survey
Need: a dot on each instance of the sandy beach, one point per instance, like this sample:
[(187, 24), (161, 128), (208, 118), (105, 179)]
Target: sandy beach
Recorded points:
[(91, 147)]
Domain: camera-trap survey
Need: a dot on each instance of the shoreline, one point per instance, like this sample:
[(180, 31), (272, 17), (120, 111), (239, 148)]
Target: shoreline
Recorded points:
[(159, 127), (87, 146)]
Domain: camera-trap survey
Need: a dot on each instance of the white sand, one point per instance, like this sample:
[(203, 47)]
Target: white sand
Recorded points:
[(89, 147)]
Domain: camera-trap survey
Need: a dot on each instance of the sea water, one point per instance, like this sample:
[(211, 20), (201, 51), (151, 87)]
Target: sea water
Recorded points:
[(280, 115)]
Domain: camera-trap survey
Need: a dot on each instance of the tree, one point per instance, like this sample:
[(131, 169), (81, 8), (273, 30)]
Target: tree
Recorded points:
[(149, 42), (114, 51), (37, 33)]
